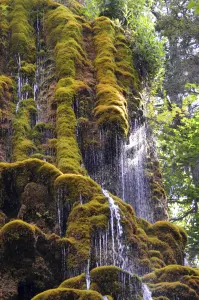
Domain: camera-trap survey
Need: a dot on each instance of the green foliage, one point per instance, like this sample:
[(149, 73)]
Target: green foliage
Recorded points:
[(178, 144), (195, 5), (139, 25)]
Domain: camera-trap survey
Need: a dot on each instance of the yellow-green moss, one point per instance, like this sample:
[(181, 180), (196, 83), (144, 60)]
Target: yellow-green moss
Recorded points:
[(22, 38), (83, 221), (125, 71), (111, 106), (67, 294), (18, 239), (19, 174), (107, 280), (174, 281), (76, 185), (23, 146), (78, 282), (65, 36)]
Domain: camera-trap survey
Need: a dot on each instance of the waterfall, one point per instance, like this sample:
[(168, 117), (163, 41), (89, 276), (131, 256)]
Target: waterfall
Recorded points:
[(60, 210), (105, 298), (88, 279), (118, 247), (19, 82), (134, 185), (38, 66), (147, 295)]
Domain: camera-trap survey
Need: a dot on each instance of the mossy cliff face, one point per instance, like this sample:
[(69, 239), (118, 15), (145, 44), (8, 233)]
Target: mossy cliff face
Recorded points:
[(68, 94), (74, 207)]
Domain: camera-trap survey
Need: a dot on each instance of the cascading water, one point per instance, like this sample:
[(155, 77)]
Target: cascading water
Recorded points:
[(19, 82), (88, 279), (118, 247), (63, 254), (38, 67), (147, 295), (134, 184)]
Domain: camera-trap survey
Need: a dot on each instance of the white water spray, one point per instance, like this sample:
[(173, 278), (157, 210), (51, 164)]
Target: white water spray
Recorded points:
[(147, 295)]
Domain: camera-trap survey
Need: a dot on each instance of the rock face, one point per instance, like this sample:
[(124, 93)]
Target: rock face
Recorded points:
[(69, 102)]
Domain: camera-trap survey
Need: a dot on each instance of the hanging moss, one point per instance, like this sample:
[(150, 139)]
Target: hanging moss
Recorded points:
[(84, 221), (111, 105), (65, 35), (22, 38)]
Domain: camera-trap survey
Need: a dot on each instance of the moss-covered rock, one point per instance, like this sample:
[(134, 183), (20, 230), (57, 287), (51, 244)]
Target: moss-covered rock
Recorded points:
[(110, 280), (68, 294), (18, 241), (174, 281)]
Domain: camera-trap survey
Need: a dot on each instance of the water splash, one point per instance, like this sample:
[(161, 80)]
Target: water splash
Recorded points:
[(147, 295)]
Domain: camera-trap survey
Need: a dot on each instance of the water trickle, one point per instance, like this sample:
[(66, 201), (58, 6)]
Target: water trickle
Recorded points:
[(64, 262), (88, 279), (134, 184), (118, 255), (80, 198), (19, 82), (60, 210), (147, 295)]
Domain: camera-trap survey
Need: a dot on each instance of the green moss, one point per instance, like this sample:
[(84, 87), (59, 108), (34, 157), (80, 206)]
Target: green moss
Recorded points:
[(172, 235), (22, 38), (28, 70), (18, 174), (125, 71), (68, 294), (6, 84), (111, 106), (174, 289), (65, 36), (108, 281), (174, 281), (83, 221), (78, 282), (170, 273), (68, 155), (77, 185), (18, 239), (23, 146)]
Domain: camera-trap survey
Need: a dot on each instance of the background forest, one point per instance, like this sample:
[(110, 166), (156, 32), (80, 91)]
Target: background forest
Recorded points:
[(167, 44)]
